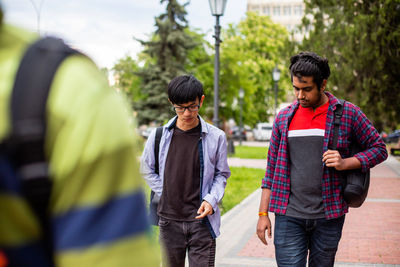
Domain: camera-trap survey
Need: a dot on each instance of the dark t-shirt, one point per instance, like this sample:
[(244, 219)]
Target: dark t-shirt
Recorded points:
[(180, 199), (306, 138)]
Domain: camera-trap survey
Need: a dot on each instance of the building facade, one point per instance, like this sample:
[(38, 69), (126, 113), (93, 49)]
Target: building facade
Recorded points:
[(288, 13)]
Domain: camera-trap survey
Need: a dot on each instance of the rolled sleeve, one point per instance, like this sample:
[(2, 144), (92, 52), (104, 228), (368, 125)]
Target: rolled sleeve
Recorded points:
[(368, 137)]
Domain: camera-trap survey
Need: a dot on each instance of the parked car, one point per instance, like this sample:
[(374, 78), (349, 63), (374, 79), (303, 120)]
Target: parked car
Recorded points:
[(392, 137), (236, 135), (262, 131)]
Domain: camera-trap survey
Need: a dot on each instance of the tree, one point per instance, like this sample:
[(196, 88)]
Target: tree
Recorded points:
[(166, 57), (249, 53), (361, 39), (126, 78)]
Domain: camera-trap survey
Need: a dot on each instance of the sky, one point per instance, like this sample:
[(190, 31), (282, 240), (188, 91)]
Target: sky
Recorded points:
[(105, 29)]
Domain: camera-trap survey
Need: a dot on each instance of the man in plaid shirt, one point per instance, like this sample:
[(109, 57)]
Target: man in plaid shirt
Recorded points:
[(302, 185)]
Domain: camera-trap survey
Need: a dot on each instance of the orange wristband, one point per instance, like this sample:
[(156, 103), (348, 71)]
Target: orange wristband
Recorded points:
[(262, 214)]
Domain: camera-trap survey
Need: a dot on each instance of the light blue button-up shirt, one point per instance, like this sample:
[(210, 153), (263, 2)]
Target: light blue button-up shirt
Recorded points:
[(214, 162)]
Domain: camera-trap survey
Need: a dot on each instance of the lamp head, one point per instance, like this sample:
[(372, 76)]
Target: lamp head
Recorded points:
[(276, 74), (217, 7), (241, 93)]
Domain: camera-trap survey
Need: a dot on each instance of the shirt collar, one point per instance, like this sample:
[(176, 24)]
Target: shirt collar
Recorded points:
[(172, 122), (333, 101)]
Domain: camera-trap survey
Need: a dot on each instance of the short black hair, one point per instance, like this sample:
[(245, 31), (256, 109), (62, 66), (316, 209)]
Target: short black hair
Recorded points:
[(310, 64), (184, 88)]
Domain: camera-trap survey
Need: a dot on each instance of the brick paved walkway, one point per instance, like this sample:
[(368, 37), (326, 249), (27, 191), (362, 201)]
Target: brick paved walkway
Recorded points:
[(371, 235)]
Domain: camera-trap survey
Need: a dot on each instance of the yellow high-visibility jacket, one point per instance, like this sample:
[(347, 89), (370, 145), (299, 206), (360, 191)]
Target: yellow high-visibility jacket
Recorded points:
[(97, 206)]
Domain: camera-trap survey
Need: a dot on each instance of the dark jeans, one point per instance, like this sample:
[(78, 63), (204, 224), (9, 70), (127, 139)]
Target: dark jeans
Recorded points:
[(294, 237), (191, 237)]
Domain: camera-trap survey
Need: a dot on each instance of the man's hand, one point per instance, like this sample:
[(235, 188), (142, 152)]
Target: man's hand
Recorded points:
[(264, 224), (332, 158), (204, 210)]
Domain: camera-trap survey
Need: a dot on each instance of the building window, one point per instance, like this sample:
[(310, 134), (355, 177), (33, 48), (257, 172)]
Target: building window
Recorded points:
[(277, 10), (266, 10), (255, 8), (298, 10), (287, 10)]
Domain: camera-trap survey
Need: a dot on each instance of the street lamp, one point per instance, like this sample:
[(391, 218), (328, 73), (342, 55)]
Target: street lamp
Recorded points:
[(217, 9), (276, 74), (241, 96)]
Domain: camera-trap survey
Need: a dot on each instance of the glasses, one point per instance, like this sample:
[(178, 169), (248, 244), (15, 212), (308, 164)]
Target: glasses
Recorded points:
[(190, 108)]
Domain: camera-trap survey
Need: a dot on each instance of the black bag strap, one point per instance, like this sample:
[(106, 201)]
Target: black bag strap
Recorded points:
[(157, 141), (28, 124), (338, 116), (154, 199)]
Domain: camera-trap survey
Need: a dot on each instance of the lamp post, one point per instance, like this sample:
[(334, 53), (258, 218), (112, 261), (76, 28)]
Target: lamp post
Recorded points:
[(241, 96), (217, 9), (276, 74)]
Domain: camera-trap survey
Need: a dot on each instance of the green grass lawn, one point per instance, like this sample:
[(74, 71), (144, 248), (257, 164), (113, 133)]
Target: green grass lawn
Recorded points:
[(250, 152), (241, 184)]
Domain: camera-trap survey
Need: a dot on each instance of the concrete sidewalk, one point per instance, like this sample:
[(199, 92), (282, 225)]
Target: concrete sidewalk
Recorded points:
[(371, 235)]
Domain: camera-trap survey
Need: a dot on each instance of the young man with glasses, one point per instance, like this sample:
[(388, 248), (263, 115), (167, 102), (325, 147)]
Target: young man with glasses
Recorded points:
[(193, 170)]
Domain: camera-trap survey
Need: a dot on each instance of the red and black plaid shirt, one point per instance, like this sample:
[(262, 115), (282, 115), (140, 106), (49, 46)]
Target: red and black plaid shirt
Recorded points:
[(354, 127)]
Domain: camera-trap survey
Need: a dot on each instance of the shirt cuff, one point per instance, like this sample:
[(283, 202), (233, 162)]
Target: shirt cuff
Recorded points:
[(210, 199), (364, 162), (265, 183)]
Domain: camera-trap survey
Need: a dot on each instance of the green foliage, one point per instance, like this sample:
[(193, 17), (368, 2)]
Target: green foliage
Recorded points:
[(240, 185), (249, 53), (250, 152), (126, 78), (361, 39), (167, 51)]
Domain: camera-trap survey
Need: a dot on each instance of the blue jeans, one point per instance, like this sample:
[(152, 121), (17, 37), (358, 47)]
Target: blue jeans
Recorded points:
[(294, 237)]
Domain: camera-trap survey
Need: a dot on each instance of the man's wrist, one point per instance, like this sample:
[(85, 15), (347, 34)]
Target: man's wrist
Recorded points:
[(262, 213), (212, 209)]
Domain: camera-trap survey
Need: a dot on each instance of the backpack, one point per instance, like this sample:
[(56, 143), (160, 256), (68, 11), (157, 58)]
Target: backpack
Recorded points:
[(23, 166), (154, 198), (355, 182)]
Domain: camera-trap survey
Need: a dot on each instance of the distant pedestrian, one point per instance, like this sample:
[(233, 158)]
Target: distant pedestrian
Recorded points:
[(193, 170), (302, 185)]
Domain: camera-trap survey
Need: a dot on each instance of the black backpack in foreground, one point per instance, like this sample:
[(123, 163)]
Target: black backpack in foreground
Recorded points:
[(23, 166), (355, 182)]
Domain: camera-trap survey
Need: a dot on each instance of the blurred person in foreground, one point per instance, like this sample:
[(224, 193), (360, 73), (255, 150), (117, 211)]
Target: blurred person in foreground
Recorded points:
[(97, 207), (302, 185), (193, 170)]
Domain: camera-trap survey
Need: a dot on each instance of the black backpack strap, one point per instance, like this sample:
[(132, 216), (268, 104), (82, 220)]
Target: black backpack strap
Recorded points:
[(154, 199), (28, 123), (157, 140), (338, 116)]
